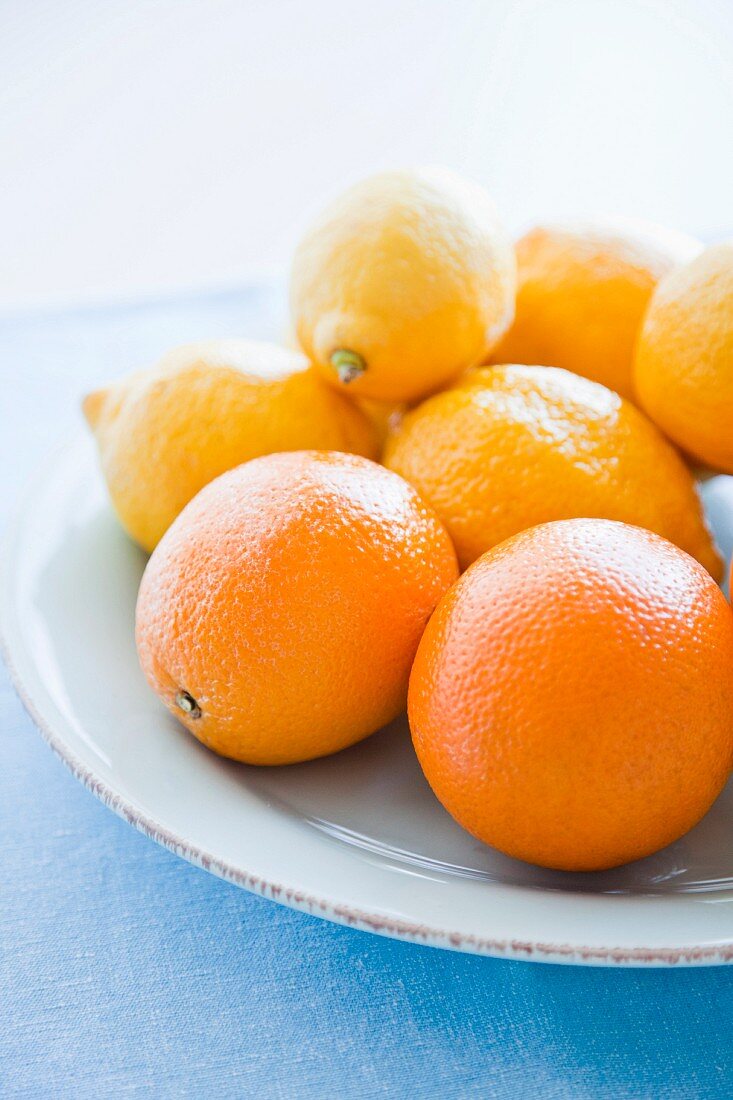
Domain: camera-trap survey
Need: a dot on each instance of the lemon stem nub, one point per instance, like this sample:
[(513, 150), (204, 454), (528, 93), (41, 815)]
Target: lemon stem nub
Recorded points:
[(347, 364), (188, 704)]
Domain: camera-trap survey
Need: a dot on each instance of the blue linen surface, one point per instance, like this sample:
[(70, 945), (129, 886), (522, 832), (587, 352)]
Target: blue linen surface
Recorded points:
[(124, 971)]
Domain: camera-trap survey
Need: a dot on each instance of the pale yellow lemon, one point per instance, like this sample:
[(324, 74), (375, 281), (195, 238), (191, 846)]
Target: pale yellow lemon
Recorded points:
[(402, 283), (684, 360), (166, 432)]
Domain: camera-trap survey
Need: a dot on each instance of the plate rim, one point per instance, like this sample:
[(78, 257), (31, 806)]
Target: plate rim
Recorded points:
[(710, 953)]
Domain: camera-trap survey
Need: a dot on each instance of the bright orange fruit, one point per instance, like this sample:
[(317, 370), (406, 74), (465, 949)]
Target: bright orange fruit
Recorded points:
[(581, 295), (571, 702), (513, 446), (279, 615)]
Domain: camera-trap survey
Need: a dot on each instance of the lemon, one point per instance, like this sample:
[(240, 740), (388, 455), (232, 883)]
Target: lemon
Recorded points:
[(403, 283), (166, 432)]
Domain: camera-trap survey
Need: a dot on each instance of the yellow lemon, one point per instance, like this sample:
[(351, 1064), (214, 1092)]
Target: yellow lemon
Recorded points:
[(402, 283), (684, 361), (166, 432)]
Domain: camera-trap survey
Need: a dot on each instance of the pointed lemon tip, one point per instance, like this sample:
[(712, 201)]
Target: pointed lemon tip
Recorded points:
[(92, 406)]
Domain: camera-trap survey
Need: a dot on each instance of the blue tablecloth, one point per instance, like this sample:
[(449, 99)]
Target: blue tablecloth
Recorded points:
[(126, 972)]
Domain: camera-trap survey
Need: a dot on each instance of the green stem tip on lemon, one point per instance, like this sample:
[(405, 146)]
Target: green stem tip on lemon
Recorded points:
[(349, 365)]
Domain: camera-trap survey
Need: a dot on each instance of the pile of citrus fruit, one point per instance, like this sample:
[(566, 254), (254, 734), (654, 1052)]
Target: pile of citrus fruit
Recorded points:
[(531, 417)]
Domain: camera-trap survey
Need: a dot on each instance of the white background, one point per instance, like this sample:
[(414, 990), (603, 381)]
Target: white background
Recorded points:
[(156, 145)]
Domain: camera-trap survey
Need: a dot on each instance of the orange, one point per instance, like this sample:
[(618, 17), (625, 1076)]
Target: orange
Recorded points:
[(571, 702), (513, 446), (684, 361), (582, 294), (279, 616), (402, 283), (165, 433)]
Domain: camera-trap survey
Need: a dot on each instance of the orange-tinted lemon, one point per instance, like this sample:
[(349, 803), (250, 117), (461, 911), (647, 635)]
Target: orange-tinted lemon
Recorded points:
[(571, 702), (684, 362), (513, 446), (402, 283), (582, 292), (279, 615), (165, 433)]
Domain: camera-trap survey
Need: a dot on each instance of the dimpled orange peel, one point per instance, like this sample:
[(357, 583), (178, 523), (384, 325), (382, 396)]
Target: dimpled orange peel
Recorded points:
[(582, 292), (166, 432), (402, 283), (513, 446), (684, 360), (571, 702), (279, 615)]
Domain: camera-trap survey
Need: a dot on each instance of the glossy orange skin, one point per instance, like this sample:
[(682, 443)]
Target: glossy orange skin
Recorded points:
[(684, 359), (582, 292), (571, 700), (288, 600), (513, 446)]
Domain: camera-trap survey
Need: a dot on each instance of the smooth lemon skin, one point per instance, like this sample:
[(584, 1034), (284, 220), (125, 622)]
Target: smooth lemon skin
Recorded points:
[(410, 278), (513, 446), (165, 433), (582, 292), (684, 361)]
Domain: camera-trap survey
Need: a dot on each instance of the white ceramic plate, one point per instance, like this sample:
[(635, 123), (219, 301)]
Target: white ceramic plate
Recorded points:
[(357, 838)]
